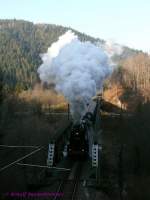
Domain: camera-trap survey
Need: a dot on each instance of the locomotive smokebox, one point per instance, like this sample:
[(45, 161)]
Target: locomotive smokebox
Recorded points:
[(81, 137)]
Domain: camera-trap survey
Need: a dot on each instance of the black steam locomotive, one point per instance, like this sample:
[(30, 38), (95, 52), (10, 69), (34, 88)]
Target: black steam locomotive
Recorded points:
[(78, 144), (78, 147)]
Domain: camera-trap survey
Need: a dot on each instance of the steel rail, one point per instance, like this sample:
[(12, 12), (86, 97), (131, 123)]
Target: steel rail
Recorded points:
[(43, 166), (71, 184), (76, 181), (59, 189), (20, 159), (15, 146)]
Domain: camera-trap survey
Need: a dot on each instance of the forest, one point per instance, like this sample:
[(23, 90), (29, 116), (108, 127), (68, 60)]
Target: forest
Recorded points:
[(22, 43), (23, 99)]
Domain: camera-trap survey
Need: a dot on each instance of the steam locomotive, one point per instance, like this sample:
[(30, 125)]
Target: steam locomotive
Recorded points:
[(78, 147)]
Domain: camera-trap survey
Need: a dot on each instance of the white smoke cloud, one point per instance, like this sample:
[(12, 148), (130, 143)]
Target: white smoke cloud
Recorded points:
[(112, 48), (77, 69)]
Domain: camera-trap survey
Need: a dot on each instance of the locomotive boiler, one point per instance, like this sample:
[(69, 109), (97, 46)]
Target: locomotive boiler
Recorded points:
[(80, 141)]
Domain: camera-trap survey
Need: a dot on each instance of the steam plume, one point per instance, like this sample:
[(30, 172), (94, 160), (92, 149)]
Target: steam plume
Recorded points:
[(112, 48), (77, 69)]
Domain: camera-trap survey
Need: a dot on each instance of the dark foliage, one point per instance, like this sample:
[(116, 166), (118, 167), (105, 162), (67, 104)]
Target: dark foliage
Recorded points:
[(21, 44)]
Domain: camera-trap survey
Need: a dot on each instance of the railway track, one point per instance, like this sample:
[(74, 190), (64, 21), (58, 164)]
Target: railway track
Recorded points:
[(68, 187)]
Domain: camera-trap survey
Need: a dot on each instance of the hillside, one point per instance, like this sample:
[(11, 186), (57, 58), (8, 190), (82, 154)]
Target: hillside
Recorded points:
[(31, 114), (21, 44)]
